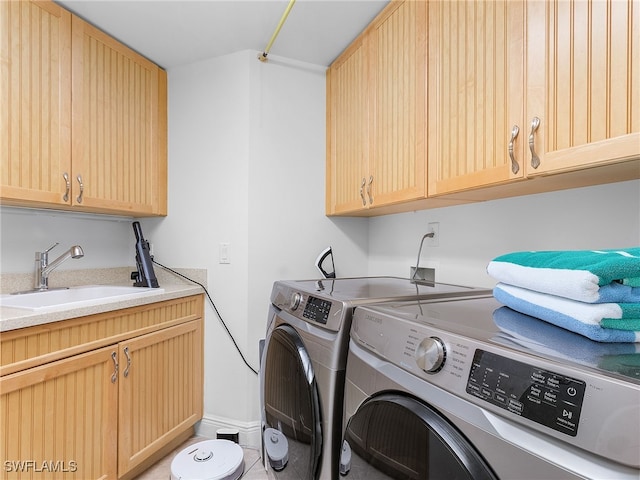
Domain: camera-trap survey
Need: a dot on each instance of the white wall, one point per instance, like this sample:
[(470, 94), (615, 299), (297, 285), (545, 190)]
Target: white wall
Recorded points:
[(246, 167), (605, 216), (106, 241)]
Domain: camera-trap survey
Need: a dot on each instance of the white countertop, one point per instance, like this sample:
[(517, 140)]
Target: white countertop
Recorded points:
[(14, 318)]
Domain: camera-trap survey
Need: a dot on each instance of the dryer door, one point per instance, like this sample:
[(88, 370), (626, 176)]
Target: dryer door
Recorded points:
[(394, 436), (292, 435)]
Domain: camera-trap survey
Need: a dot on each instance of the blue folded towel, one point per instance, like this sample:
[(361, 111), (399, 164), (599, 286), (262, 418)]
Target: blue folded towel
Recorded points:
[(603, 322), (591, 276), (548, 339)]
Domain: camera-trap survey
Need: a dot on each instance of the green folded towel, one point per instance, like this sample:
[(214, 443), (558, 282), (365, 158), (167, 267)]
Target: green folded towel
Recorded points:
[(592, 276)]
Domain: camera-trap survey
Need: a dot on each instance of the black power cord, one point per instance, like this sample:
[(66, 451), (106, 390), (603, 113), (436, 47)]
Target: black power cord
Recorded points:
[(214, 308)]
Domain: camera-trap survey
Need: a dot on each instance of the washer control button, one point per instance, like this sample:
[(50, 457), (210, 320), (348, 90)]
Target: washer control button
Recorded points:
[(296, 298), (431, 354)]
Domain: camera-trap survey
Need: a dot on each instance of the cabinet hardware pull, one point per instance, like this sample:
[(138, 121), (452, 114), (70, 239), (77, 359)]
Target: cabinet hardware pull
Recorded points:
[(514, 164), (65, 175), (369, 190), (535, 160), (114, 357), (364, 201), (126, 354), (79, 198)]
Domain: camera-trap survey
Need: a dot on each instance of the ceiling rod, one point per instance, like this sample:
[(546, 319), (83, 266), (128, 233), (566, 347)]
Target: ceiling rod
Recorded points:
[(263, 56)]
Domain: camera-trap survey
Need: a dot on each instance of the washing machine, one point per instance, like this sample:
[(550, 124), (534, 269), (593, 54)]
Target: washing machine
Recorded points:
[(469, 389), (303, 366)]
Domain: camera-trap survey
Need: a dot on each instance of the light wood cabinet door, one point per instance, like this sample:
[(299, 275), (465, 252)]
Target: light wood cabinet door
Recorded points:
[(397, 160), (348, 130), (160, 392), (376, 114), (583, 83), (475, 94), (35, 102), (58, 420), (118, 126)]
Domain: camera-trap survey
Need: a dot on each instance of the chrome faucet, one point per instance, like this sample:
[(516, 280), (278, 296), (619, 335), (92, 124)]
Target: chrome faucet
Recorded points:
[(44, 268)]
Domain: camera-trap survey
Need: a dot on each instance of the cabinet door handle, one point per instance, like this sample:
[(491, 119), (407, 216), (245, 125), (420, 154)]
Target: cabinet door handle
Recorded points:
[(126, 354), (369, 190), (114, 357), (79, 198), (364, 201), (535, 160), (514, 134), (65, 175)]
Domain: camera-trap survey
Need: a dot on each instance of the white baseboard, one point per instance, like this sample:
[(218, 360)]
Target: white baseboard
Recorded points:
[(249, 432)]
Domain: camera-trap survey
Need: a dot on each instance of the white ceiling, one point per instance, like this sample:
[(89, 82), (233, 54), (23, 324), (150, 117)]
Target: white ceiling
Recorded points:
[(178, 32)]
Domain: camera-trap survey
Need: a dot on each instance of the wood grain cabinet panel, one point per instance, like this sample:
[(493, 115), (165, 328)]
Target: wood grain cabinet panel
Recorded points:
[(398, 99), (376, 114), (70, 400), (476, 93), (35, 99), (161, 389), (118, 134), (348, 130), (57, 419), (583, 83), (83, 118), (514, 90), (525, 89)]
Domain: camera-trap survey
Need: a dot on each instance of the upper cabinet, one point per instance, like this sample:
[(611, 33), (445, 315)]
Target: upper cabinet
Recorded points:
[(35, 94), (86, 127), (118, 127), (376, 114), (583, 84), (348, 130), (476, 93), (524, 89), (511, 91)]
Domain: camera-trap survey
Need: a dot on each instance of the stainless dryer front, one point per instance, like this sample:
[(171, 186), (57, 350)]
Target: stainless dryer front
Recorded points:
[(467, 389), (303, 366)]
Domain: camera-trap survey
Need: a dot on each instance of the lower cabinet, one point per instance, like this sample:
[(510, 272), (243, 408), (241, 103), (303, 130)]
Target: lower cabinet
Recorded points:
[(103, 413), (160, 391), (59, 420)]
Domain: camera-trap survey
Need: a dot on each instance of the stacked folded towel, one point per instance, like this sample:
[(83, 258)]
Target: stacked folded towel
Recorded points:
[(592, 292)]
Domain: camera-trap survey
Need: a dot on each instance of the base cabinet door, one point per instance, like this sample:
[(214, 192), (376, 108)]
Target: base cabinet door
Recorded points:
[(58, 420), (160, 391)]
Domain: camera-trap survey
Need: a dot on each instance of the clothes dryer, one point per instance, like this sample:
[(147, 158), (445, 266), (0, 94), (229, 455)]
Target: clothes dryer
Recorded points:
[(469, 389), (303, 366)]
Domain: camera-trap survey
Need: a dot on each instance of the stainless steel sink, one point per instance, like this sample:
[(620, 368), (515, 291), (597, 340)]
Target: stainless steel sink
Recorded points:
[(75, 297)]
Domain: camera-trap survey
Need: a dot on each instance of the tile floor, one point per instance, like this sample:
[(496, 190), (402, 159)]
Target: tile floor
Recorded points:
[(253, 469)]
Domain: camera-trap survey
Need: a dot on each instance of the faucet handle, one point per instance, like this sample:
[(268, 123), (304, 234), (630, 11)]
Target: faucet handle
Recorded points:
[(51, 247)]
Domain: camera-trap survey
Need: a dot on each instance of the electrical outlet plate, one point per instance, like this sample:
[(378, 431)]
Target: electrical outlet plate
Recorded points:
[(423, 275), (435, 228)]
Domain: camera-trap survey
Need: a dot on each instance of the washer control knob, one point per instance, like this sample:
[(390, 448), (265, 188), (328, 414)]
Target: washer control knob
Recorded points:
[(431, 354), (295, 300)]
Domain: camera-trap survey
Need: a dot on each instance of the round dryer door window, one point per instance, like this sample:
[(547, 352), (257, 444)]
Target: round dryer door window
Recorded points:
[(292, 437), (394, 436)]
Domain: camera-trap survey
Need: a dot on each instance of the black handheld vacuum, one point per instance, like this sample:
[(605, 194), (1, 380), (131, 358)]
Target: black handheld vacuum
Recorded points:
[(145, 276)]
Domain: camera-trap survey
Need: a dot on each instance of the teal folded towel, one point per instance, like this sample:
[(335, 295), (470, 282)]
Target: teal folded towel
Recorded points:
[(591, 276)]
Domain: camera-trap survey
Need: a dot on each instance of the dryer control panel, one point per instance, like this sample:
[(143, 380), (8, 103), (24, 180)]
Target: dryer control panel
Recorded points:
[(542, 396), (317, 309)]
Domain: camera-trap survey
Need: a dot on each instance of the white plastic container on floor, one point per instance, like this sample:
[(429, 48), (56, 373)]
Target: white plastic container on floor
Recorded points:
[(209, 460)]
